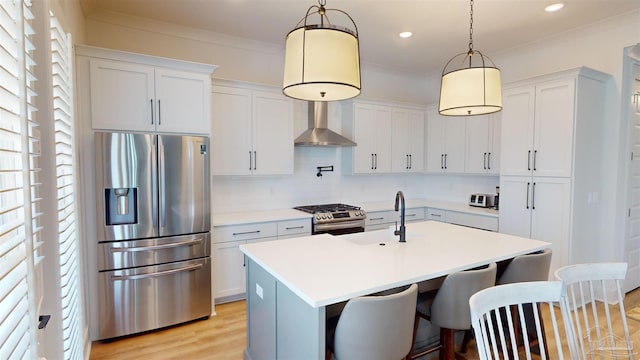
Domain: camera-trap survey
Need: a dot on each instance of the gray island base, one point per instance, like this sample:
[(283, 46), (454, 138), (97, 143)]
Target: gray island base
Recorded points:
[(291, 282)]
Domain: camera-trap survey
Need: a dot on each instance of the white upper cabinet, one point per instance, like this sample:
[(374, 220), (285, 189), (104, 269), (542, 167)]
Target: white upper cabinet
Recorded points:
[(537, 129), (370, 127), (134, 96), (407, 146), (445, 143), (252, 131), (483, 144)]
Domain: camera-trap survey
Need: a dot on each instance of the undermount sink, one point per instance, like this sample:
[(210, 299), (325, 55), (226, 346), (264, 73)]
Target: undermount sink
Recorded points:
[(378, 237)]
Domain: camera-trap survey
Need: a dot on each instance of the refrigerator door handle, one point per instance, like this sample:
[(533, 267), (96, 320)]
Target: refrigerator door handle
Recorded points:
[(155, 274), (160, 178), (156, 247)]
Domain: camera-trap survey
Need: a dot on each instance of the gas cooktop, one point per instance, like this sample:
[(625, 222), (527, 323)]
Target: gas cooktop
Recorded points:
[(326, 213)]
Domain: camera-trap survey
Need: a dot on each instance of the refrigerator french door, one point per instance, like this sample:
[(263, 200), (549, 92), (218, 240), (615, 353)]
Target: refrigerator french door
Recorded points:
[(154, 252)]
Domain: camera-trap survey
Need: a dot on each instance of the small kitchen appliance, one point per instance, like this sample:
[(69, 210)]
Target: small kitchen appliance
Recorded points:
[(335, 219), (481, 200)]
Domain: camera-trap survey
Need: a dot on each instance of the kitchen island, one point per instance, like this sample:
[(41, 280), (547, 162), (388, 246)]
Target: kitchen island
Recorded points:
[(291, 282)]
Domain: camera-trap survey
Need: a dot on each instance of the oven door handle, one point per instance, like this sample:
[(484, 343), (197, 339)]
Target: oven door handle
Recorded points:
[(339, 225)]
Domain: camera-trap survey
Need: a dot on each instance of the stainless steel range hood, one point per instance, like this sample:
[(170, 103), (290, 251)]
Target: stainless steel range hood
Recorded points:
[(318, 134)]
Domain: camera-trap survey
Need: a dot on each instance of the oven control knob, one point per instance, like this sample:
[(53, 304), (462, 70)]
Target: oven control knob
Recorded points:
[(317, 216), (329, 216), (324, 216)]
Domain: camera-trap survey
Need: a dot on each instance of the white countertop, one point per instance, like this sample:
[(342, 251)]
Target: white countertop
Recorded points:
[(247, 217), (438, 204), (326, 269)]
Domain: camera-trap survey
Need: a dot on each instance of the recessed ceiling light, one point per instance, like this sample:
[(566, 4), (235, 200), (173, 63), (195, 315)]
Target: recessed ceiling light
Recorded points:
[(554, 7), (406, 34)]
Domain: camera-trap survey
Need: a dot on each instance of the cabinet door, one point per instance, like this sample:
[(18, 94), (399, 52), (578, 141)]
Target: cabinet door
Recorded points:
[(372, 128), (435, 142), (182, 101), (231, 143), (455, 133), (400, 141), (516, 138), (228, 269), (416, 141), (382, 157), (493, 158), (364, 133), (272, 134), (554, 119), (478, 144), (515, 205), (122, 96), (550, 203)]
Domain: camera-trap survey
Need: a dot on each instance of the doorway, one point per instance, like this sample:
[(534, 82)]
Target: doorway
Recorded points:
[(632, 223)]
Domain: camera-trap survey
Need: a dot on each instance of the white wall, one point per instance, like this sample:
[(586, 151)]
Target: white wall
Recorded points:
[(599, 46)]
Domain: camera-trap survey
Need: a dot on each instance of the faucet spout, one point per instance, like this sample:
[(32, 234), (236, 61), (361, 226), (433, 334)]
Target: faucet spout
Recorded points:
[(402, 232)]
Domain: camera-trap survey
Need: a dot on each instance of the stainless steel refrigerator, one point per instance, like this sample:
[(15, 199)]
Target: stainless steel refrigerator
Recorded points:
[(154, 251)]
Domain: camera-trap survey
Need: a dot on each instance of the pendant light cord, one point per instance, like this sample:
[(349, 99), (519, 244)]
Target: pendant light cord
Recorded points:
[(471, 29)]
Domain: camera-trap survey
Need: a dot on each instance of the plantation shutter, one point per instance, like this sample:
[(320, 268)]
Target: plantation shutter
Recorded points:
[(65, 191), (19, 173)]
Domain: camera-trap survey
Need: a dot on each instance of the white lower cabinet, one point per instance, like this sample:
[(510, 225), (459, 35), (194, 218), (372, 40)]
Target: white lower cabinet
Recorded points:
[(477, 221), (538, 208), (379, 220), (229, 273)]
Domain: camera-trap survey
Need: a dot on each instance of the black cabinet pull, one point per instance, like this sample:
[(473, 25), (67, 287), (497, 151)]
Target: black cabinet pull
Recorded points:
[(488, 161), (159, 114), (250, 161), (151, 100), (371, 161), (535, 156), (255, 160), (445, 160), (529, 160), (533, 196), (528, 185), (484, 161)]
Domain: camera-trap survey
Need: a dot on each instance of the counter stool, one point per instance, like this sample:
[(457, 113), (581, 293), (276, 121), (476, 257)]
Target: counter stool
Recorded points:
[(375, 327), (449, 307), (526, 268)]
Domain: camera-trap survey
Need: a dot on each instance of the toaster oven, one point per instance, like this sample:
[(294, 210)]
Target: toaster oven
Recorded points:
[(481, 200)]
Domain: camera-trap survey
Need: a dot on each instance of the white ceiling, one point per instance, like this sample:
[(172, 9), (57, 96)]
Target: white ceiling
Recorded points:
[(440, 27)]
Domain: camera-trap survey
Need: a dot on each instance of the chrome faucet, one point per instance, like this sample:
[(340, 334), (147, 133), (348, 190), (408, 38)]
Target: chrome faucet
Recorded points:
[(402, 232)]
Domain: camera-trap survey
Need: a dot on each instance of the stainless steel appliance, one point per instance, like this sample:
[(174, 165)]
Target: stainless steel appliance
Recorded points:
[(335, 219), (153, 231), (481, 200)]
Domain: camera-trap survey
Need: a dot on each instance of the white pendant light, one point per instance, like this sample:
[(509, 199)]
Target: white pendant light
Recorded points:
[(470, 83), (322, 61)]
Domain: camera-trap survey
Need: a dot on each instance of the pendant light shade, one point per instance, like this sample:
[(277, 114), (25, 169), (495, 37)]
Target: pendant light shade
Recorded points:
[(322, 61), (471, 89), (470, 83)]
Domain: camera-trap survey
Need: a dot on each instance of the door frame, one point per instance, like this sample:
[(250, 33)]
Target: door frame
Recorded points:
[(631, 58)]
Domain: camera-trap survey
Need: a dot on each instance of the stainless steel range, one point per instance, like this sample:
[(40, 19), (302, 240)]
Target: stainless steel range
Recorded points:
[(335, 219)]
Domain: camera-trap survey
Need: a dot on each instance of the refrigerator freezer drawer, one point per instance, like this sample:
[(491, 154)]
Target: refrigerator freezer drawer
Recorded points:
[(135, 253), (147, 298)]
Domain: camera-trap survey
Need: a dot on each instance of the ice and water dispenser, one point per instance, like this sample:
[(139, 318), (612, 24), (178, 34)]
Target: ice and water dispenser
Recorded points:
[(121, 206)]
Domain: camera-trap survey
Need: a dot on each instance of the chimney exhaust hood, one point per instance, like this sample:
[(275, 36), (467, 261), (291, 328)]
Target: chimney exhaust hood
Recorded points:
[(318, 134)]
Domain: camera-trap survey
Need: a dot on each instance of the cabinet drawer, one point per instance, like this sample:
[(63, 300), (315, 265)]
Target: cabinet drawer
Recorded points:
[(300, 227), (476, 221), (379, 217), (410, 215), (436, 214), (244, 232)]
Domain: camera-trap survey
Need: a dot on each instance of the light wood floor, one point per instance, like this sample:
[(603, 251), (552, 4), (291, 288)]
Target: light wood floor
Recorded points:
[(224, 337)]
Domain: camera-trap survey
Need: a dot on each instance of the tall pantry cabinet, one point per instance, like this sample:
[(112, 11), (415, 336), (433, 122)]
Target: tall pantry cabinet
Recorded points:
[(551, 162)]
